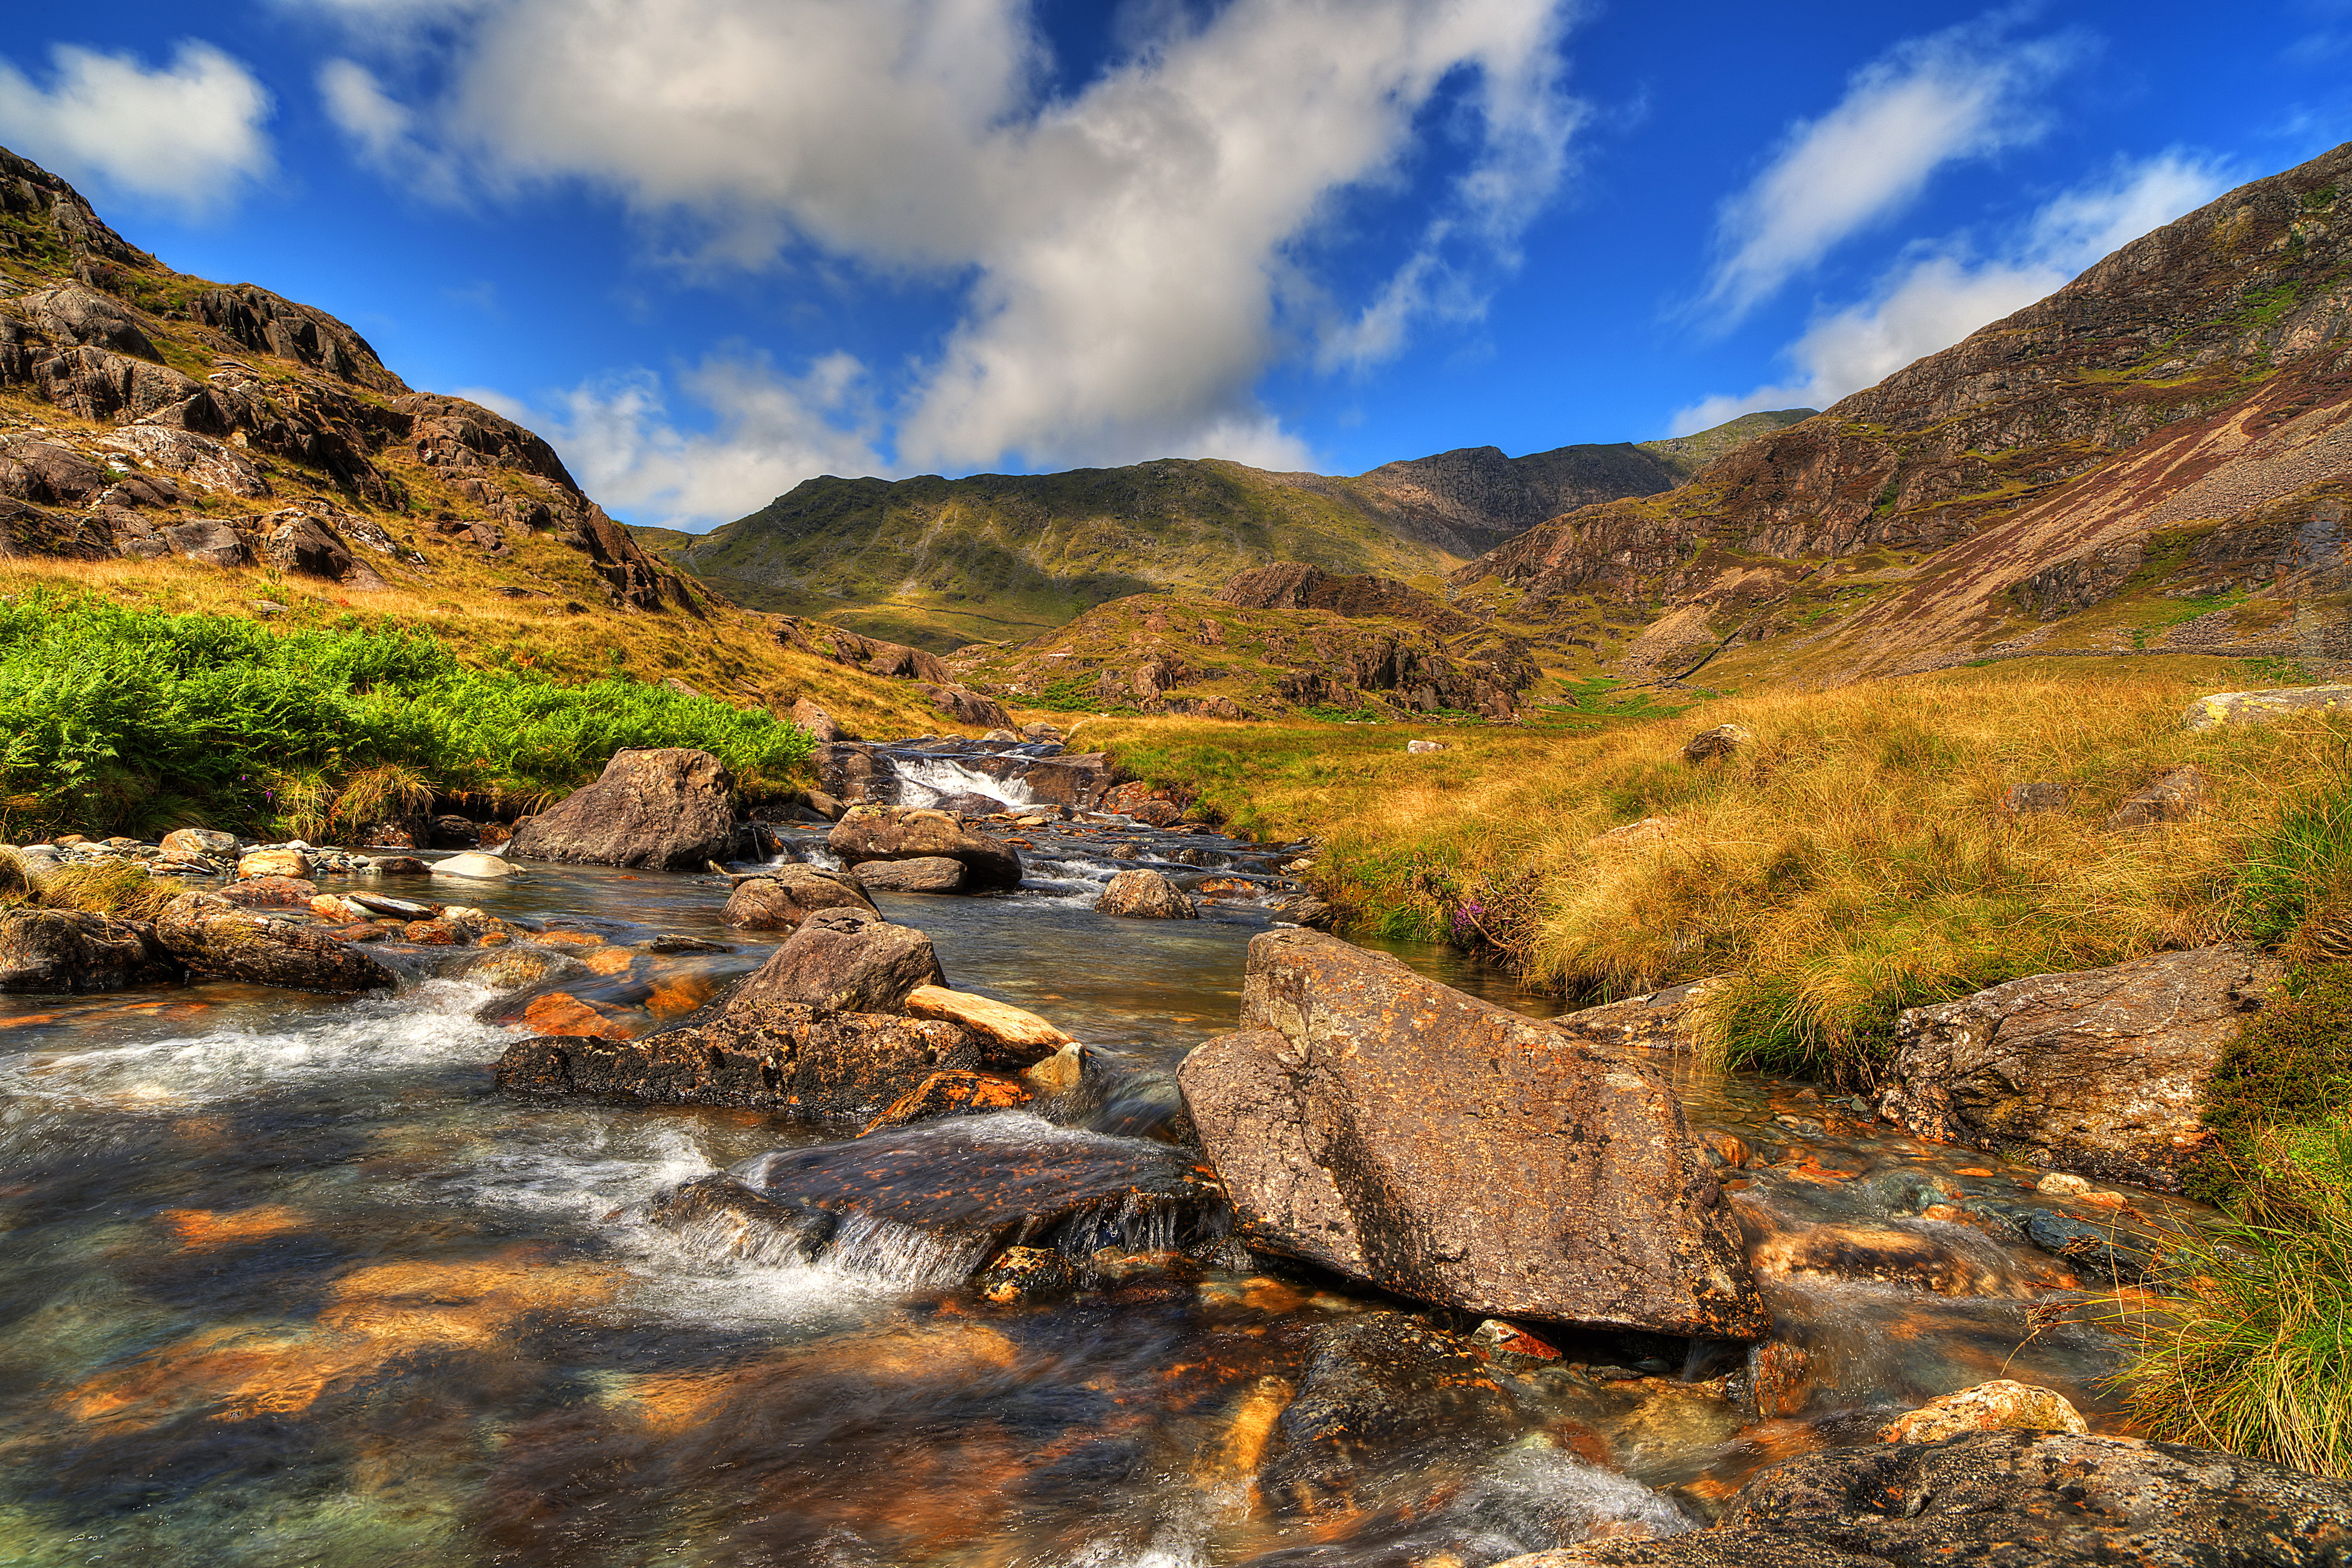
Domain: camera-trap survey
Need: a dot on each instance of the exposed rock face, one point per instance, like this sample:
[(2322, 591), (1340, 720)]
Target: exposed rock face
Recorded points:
[(779, 900), (2101, 1071), (1401, 1133), (2000, 1405), (70, 950), (2263, 707), (815, 721), (308, 547), (1144, 895), (2004, 1498), (909, 833), (760, 1055), (871, 655), (212, 936), (924, 874), (846, 960), (667, 809)]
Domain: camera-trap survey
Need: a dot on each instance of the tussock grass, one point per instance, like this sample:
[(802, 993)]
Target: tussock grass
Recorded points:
[(121, 889)]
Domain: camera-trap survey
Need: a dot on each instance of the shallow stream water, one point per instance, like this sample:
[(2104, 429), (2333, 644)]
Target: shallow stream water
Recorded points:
[(289, 1281)]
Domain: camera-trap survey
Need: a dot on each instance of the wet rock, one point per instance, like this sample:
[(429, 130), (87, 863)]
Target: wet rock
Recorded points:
[(1010, 1037), (1059, 1073), (2007, 1500), (212, 936), (816, 1066), (2225, 708), (269, 892), (472, 866), (956, 1091), (1141, 894), (781, 898), (847, 961), (560, 1014), (856, 774), (924, 874), (1660, 1021), (408, 865), (815, 721), (1025, 1274), (1401, 1133), (1876, 1254), (514, 968), (394, 908), (279, 862), (48, 950), (2103, 1253), (719, 1215), (870, 833), (2000, 1405), (669, 808), (453, 833), (2102, 1071), (1304, 908), (199, 842), (1719, 742), (1380, 1393), (2174, 796)]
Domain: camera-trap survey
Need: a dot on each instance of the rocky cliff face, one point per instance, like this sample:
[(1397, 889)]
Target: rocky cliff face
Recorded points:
[(144, 412), (2173, 427)]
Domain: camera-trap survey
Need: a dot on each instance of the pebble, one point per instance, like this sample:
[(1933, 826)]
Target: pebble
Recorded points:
[(2061, 1184)]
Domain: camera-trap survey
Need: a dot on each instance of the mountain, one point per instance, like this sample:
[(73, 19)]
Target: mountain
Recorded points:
[(939, 563), (2157, 458)]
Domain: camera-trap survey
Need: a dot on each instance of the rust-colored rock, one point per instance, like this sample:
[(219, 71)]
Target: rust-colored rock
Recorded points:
[(956, 1091), (1401, 1133), (561, 1012), (667, 809)]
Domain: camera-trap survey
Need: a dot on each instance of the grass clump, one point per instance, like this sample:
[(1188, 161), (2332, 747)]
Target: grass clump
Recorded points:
[(119, 888), (124, 719)]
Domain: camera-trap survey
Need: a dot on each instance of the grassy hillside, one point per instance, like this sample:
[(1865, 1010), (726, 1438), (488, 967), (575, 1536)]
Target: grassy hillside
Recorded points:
[(1689, 453)]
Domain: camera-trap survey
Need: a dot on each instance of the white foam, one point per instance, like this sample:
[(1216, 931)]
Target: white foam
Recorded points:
[(926, 780)]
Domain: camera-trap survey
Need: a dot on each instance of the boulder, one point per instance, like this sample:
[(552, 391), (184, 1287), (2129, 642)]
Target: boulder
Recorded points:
[(48, 950), (212, 936), (869, 833), (1422, 748), (967, 707), (472, 866), (815, 721), (2001, 1405), (2033, 799), (847, 961), (279, 862), (766, 1055), (453, 832), (2007, 1500), (1719, 742), (924, 874), (856, 774), (2225, 708), (1009, 1037), (1142, 895), (271, 892), (1400, 1132), (2172, 796), (670, 809), (309, 547), (214, 543), (723, 1215), (781, 898), (202, 842), (2102, 1071)]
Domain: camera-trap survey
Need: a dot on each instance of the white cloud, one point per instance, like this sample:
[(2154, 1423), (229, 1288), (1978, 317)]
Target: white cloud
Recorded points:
[(772, 431), (187, 136), (1131, 247), (1962, 94), (383, 130), (1940, 293)]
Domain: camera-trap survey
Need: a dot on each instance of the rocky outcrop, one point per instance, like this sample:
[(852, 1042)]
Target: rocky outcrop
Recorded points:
[(781, 898), (2173, 797), (212, 936), (51, 951), (2102, 1071), (846, 960), (667, 809), (1404, 1133), (1141, 894), (819, 724), (870, 833), (2225, 708), (967, 707), (308, 547), (2044, 1500), (872, 655)]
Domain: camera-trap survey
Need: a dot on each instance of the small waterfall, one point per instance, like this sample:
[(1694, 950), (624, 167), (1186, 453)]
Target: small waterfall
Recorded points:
[(884, 1252), (926, 780)]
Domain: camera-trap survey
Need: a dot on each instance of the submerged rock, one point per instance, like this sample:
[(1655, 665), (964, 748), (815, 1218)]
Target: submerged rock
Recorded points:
[(846, 961), (2102, 1071), (781, 898), (723, 1215), (212, 936), (1145, 895), (870, 833), (71, 950), (1401, 1133), (1026, 1274), (670, 809)]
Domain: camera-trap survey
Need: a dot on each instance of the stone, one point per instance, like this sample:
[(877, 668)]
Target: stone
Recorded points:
[(472, 865), (669, 808), (2061, 1184), (780, 898), (1647, 830), (2225, 708), (1010, 1037), (410, 866), (721, 1216), (1719, 742), (1659, 1022), (1422, 748), (74, 314), (967, 707), (924, 874), (2033, 799), (954, 1091), (1400, 1132), (2100, 1252), (2006, 1499), (2001, 1405), (198, 842), (1025, 1274), (213, 544), (54, 951), (846, 961), (212, 936), (868, 833), (281, 862), (2173, 797), (1041, 730), (309, 547), (1059, 1073), (1141, 894), (451, 832), (394, 908), (271, 892), (825, 805), (816, 721), (780, 1057), (2101, 1072)]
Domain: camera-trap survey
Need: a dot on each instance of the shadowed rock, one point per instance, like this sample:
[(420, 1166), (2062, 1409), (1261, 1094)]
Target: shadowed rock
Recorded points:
[(667, 809), (924, 874), (1401, 1133), (71, 950), (211, 936)]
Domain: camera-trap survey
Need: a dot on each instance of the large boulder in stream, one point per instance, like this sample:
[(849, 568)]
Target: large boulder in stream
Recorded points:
[(46, 951), (667, 809), (779, 900), (213, 936), (2007, 1500), (2102, 1071), (846, 961), (869, 833), (1144, 895), (1400, 1132)]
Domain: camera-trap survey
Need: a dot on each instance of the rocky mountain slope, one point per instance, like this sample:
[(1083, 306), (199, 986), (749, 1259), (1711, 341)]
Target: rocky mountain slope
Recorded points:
[(2156, 458), (944, 562)]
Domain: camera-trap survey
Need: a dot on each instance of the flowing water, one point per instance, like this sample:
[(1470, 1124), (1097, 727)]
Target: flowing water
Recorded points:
[(289, 1281)]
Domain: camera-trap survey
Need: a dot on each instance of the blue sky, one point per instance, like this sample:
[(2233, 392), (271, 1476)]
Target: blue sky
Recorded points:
[(712, 247)]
